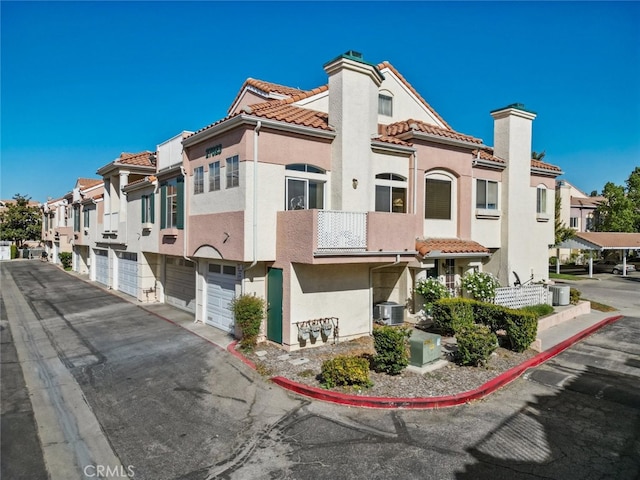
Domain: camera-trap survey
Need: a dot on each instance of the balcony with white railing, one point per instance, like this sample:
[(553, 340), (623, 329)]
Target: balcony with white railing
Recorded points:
[(110, 222), (306, 234)]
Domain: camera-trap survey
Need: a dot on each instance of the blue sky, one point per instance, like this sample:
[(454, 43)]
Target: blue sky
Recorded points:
[(84, 81)]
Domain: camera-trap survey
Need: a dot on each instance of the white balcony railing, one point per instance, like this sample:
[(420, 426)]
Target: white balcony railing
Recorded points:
[(110, 222), (342, 231)]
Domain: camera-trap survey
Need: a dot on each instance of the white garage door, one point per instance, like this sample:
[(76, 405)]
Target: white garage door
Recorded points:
[(128, 273), (180, 283), (221, 288), (102, 266)]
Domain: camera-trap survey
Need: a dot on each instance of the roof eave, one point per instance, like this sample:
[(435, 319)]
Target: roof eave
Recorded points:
[(429, 137), (384, 147), (546, 172)]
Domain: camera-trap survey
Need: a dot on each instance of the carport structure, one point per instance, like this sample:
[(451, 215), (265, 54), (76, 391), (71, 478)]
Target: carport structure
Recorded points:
[(602, 241)]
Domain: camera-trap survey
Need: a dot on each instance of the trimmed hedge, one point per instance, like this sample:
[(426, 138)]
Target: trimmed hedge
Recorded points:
[(450, 315), (345, 370), (522, 329), (392, 354), (475, 344), (248, 311), (540, 310)]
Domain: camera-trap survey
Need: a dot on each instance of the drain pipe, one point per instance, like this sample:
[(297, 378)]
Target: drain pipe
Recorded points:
[(396, 262), (256, 134), (415, 182), (185, 231)]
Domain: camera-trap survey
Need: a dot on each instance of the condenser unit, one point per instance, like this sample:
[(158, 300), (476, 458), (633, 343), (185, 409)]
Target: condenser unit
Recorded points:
[(389, 313)]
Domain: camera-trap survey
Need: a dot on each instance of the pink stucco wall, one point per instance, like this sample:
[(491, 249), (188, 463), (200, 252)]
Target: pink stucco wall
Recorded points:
[(392, 231), (209, 230)]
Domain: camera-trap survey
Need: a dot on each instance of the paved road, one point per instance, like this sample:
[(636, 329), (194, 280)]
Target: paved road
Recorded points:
[(171, 405)]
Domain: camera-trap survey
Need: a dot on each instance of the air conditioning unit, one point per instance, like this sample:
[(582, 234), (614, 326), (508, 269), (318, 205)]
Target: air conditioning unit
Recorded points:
[(389, 313)]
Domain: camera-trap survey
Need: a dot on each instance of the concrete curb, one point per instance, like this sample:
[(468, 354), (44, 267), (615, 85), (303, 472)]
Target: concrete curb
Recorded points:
[(430, 402)]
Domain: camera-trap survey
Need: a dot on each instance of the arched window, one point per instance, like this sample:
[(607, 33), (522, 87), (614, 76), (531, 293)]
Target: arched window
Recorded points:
[(438, 197), (391, 193)]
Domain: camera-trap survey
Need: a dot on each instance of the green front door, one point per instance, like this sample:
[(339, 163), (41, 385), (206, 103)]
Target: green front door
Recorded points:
[(274, 305)]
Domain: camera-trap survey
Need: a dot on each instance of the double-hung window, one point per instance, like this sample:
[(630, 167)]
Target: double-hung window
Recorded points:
[(85, 219), (198, 180), (486, 194), (76, 218), (391, 193), (305, 191), (214, 176), (573, 222), (147, 208), (541, 200), (233, 172), (437, 202), (172, 204)]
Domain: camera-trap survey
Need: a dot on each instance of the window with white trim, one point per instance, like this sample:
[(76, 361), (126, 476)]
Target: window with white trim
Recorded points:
[(305, 190), (573, 222), (391, 193), (214, 176), (233, 172), (198, 180), (385, 105), (486, 194), (541, 200)]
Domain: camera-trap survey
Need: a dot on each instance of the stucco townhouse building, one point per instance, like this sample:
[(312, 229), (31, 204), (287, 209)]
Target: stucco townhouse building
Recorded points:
[(325, 202)]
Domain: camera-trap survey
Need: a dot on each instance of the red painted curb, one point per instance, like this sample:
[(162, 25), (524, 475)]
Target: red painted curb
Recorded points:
[(436, 402), (232, 350)]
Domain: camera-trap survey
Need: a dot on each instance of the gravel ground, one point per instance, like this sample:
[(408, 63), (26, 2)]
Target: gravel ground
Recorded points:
[(450, 379)]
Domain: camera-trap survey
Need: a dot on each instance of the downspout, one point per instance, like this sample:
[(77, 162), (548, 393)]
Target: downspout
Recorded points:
[(396, 262), (256, 134), (185, 233), (415, 182)]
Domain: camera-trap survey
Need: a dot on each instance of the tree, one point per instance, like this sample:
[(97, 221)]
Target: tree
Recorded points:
[(562, 232), (20, 221), (633, 192), (617, 213)]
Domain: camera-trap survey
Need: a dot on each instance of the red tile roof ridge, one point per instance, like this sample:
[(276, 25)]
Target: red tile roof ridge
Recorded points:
[(386, 64), (141, 159), (393, 140), (404, 126), (89, 182), (265, 87)]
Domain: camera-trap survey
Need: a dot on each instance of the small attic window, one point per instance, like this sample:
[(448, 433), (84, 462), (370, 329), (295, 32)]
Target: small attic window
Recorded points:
[(385, 105)]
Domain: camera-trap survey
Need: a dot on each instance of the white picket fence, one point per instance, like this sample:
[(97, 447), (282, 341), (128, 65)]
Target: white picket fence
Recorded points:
[(518, 297)]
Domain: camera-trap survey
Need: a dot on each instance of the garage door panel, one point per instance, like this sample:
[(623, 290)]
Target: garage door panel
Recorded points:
[(180, 284), (128, 273), (102, 267), (221, 290)]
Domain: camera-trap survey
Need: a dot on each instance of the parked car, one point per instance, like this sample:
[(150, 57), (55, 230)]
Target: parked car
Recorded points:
[(609, 266), (635, 261)]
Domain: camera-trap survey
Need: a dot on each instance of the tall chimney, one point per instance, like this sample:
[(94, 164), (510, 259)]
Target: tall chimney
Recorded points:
[(353, 112)]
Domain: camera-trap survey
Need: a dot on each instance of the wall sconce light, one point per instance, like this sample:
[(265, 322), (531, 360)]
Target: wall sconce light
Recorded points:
[(354, 182)]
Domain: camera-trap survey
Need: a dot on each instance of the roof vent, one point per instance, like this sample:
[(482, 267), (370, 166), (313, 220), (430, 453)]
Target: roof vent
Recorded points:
[(353, 53)]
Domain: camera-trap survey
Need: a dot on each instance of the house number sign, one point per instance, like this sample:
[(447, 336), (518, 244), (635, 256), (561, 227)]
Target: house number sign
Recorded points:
[(213, 151)]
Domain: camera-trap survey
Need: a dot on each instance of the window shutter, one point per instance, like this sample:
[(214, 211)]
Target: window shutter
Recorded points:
[(163, 206), (180, 204), (143, 203)]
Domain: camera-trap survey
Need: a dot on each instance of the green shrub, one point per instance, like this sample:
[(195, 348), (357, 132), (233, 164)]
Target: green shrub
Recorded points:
[(392, 354), (540, 310), (432, 291), (65, 259), (14, 251), (475, 344), (522, 328), (452, 314), (480, 286), (249, 311), (574, 296), (345, 370), (490, 314)]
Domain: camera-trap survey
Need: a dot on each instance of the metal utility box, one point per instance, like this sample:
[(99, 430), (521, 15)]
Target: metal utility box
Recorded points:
[(561, 294), (425, 348), (390, 313)]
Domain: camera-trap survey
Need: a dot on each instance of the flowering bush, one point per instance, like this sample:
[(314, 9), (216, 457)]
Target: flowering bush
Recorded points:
[(480, 286), (432, 291)]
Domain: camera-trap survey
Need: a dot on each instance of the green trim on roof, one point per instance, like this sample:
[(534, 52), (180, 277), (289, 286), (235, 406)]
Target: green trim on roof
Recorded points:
[(517, 106), (352, 55)]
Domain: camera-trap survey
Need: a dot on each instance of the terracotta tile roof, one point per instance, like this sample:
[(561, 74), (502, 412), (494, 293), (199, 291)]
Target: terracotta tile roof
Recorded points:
[(487, 154), (591, 202), (448, 246), (544, 165), (612, 240), (413, 90), (89, 182), (265, 88), (142, 159), (148, 178), (392, 140), (405, 126)]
